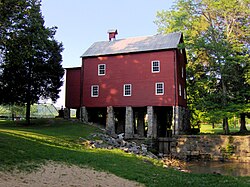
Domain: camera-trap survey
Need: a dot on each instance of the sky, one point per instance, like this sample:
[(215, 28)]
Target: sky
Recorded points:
[(82, 22)]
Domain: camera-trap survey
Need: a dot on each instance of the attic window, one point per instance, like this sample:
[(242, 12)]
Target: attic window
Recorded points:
[(155, 66)]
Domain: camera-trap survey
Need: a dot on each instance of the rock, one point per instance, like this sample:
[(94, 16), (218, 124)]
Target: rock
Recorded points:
[(120, 136), (160, 155), (151, 155), (125, 149), (144, 149), (134, 150), (108, 142)]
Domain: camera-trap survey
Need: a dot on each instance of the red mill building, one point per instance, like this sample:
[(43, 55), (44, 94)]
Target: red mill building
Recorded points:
[(135, 86)]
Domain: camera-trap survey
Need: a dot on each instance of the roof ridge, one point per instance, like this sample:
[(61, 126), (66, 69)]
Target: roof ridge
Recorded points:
[(133, 37)]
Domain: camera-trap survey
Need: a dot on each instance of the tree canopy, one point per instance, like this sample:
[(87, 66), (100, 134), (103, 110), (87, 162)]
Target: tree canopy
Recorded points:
[(217, 36), (31, 58)]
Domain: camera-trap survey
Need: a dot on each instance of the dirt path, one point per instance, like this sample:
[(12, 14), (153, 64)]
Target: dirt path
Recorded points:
[(54, 175)]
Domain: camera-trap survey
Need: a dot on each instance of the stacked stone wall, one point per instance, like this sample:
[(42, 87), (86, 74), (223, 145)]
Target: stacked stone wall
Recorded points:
[(208, 147)]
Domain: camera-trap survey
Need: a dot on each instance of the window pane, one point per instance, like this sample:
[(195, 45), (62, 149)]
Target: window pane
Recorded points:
[(101, 69), (159, 88), (94, 91), (155, 66), (127, 90)]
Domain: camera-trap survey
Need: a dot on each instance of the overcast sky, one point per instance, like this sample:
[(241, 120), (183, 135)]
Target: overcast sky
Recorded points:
[(82, 22)]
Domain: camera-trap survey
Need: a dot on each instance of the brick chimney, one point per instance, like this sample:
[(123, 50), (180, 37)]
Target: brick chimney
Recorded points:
[(112, 33)]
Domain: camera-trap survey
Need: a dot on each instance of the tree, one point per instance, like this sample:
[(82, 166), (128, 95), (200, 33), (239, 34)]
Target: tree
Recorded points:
[(217, 35), (31, 67)]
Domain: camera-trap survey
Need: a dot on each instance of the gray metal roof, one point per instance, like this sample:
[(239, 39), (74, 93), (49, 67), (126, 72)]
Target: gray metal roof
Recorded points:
[(136, 44)]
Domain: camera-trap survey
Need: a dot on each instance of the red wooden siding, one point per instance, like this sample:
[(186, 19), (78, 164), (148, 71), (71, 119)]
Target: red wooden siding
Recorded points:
[(134, 69), (181, 63), (73, 80)]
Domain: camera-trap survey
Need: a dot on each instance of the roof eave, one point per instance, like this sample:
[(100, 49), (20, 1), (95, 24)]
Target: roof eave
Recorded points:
[(132, 52)]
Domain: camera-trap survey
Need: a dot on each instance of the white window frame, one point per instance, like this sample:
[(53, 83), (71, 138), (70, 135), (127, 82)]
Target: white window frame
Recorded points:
[(92, 91), (99, 69), (157, 89), (152, 66), (179, 89), (125, 89)]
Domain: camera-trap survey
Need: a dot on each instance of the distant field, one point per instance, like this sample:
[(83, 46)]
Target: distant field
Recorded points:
[(207, 129)]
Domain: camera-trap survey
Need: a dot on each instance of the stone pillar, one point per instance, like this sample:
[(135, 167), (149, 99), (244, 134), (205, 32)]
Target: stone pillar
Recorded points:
[(110, 122), (129, 123), (179, 119), (66, 113), (84, 114), (175, 121), (140, 124), (152, 119)]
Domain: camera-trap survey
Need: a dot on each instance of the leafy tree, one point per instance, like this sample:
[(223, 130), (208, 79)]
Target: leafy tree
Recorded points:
[(217, 41), (31, 58)]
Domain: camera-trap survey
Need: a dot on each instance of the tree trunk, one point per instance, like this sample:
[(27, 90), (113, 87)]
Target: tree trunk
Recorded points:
[(234, 121), (213, 125), (28, 110), (12, 114), (243, 127), (225, 125), (28, 96)]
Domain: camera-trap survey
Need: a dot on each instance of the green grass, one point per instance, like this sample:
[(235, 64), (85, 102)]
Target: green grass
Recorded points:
[(25, 147), (218, 129)]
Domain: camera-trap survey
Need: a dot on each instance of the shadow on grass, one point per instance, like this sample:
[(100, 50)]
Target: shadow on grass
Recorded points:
[(24, 149)]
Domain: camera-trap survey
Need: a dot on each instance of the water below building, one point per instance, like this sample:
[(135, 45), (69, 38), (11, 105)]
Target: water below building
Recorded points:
[(223, 168)]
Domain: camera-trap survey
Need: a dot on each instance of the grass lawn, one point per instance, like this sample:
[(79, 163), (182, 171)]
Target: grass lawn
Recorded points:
[(218, 129), (58, 140)]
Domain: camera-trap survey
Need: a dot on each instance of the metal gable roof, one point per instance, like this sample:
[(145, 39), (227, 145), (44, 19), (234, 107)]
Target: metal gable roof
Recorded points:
[(136, 44)]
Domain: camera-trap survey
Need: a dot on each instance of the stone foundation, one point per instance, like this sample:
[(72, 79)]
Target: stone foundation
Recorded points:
[(66, 113), (129, 123), (84, 114), (110, 123), (207, 147), (152, 122), (178, 120), (131, 120)]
